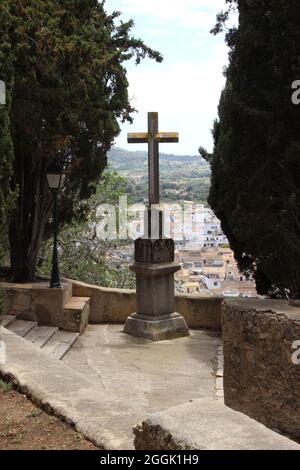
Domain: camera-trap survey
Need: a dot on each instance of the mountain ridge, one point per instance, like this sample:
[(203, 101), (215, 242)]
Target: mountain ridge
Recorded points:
[(182, 177), (116, 152)]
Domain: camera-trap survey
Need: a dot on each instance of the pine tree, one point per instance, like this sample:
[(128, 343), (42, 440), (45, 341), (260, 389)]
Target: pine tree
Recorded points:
[(69, 91), (256, 160)]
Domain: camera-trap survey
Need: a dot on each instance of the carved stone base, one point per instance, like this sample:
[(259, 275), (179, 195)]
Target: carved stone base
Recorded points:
[(158, 328), (154, 268)]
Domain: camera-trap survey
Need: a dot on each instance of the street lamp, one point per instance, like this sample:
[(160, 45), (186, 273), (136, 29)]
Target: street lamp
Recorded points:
[(55, 178), (2, 94)]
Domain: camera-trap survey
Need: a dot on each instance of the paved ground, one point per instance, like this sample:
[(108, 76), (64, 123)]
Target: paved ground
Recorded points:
[(111, 382), (147, 377)]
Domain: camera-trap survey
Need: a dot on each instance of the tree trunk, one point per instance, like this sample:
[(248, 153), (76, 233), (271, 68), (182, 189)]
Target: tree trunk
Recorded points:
[(25, 244), (27, 228), (23, 257)]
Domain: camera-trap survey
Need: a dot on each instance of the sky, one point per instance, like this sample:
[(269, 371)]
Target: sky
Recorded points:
[(184, 89)]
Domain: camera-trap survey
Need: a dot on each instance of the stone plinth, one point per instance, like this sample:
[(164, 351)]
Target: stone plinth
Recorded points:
[(156, 319), (261, 363), (157, 328)]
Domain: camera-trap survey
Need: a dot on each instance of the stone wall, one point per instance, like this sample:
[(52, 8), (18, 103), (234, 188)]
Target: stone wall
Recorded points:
[(200, 312), (39, 303), (106, 305), (36, 301), (115, 305), (260, 378)]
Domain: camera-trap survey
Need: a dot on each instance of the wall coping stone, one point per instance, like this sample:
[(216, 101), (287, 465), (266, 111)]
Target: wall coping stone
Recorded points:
[(278, 307)]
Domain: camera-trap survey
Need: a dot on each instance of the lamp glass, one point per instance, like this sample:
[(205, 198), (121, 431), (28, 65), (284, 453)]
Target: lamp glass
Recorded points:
[(54, 180)]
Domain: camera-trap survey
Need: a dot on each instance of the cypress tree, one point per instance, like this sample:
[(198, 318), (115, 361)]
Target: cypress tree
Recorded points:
[(69, 91), (256, 159), (7, 197)]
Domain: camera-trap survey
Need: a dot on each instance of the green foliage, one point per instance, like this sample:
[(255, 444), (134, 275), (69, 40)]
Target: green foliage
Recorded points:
[(6, 146), (68, 89), (256, 160), (35, 414), (85, 257), (7, 196), (181, 177), (6, 386)]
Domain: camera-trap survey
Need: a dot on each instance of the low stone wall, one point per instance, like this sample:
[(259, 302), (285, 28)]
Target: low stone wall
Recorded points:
[(36, 301), (260, 376), (116, 305), (39, 303), (106, 305), (200, 312)]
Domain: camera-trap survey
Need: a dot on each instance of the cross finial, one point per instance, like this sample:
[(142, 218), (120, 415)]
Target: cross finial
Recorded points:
[(153, 138)]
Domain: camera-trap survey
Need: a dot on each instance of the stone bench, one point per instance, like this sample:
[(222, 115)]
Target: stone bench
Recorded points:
[(206, 425)]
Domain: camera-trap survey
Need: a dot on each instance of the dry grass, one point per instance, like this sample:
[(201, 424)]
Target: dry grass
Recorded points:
[(23, 426)]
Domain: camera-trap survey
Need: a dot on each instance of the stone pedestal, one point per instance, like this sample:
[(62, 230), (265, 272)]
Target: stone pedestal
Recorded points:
[(154, 267)]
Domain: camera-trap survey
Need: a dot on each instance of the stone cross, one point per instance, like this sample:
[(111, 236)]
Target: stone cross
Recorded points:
[(154, 266), (153, 138)]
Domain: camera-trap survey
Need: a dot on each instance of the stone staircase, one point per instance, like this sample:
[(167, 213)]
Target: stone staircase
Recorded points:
[(51, 319), (36, 302), (54, 342)]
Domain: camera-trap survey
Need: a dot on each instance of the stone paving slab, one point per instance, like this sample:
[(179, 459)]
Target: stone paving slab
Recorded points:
[(207, 425), (5, 320), (40, 335), (21, 327), (148, 376), (58, 346)]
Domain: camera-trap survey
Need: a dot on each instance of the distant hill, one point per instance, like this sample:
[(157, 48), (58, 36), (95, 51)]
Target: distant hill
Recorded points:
[(182, 177)]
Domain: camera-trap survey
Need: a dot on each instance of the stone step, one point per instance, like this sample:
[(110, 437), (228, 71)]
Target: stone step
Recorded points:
[(60, 343), (21, 327), (76, 314), (5, 320), (77, 303), (40, 335)]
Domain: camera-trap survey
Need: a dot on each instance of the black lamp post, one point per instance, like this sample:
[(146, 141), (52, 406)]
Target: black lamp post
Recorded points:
[(55, 178), (2, 95)]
